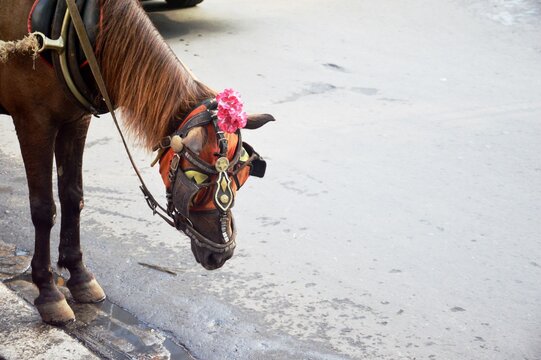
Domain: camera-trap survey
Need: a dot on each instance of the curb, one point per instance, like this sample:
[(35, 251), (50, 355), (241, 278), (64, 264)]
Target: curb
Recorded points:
[(24, 336)]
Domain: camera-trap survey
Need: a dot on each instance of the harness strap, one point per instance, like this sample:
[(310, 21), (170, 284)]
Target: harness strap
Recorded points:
[(205, 166), (195, 160), (202, 241), (201, 119), (94, 67)]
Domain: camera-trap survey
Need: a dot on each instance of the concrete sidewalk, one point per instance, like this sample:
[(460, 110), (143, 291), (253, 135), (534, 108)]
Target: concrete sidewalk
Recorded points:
[(24, 336)]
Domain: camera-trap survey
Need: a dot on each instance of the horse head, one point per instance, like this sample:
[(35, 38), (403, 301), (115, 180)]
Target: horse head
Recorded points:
[(203, 170)]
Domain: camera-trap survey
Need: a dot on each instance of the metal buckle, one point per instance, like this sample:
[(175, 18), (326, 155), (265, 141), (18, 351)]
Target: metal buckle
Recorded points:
[(174, 162)]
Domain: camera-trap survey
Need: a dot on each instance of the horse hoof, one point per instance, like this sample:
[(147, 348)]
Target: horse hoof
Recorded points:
[(56, 313), (88, 292)]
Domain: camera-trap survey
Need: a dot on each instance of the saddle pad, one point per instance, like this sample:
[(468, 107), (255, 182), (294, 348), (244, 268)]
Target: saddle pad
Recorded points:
[(42, 17)]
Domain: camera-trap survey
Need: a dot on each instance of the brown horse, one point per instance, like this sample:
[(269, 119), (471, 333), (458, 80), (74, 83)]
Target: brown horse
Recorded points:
[(152, 89)]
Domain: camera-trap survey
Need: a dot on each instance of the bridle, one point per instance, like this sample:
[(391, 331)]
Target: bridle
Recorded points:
[(223, 172)]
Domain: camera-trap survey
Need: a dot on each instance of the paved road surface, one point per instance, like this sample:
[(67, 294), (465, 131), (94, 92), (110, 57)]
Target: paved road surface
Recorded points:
[(400, 215)]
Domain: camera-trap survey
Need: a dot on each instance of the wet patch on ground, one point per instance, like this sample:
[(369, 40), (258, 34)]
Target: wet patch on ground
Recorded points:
[(506, 12), (310, 89), (319, 88), (365, 90), (105, 328), (13, 261), (335, 67), (393, 100), (102, 141), (5, 189), (107, 212), (307, 319)]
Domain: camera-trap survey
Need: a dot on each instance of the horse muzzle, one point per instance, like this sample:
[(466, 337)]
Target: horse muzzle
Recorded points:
[(210, 254)]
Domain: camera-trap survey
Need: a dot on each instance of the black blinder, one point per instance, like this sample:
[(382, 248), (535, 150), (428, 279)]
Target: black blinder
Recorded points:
[(183, 192), (258, 166)]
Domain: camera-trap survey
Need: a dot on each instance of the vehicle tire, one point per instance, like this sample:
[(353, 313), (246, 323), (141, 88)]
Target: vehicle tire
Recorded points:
[(183, 3)]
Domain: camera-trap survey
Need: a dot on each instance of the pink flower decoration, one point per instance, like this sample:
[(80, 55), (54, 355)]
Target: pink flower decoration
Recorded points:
[(231, 115)]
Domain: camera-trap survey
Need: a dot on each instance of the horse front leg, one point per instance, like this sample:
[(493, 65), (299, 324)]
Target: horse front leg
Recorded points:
[(69, 157), (36, 138)]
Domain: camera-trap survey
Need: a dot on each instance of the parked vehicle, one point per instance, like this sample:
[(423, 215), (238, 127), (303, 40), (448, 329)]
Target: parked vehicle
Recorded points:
[(183, 3)]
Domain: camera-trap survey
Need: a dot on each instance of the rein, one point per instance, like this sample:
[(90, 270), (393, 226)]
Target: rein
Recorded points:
[(94, 67)]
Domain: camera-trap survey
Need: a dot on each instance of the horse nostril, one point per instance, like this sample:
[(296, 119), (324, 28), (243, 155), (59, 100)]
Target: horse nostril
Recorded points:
[(215, 259)]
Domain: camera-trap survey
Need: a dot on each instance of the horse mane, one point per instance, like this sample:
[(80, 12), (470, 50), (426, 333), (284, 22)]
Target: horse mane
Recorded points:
[(144, 77)]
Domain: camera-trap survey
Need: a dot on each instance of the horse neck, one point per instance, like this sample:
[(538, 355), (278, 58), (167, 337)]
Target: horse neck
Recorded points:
[(144, 77)]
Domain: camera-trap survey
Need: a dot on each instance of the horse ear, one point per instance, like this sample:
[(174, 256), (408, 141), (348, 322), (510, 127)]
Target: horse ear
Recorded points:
[(255, 121)]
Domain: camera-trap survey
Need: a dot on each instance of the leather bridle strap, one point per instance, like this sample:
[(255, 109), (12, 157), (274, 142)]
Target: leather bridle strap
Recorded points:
[(205, 167), (201, 119), (94, 67), (202, 241)]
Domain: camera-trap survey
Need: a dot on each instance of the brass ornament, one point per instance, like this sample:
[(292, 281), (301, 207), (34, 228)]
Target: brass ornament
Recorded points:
[(222, 164), (224, 184), (224, 199), (223, 196), (176, 144)]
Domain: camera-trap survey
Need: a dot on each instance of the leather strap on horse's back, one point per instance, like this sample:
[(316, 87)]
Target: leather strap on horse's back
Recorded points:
[(51, 17), (43, 16), (41, 19)]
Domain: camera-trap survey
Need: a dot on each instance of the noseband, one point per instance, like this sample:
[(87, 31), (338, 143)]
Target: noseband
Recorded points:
[(182, 190)]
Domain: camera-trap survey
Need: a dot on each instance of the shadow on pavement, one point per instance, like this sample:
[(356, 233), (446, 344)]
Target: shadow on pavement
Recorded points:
[(172, 22)]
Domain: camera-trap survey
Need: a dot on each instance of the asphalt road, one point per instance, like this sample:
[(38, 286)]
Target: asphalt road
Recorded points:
[(400, 216)]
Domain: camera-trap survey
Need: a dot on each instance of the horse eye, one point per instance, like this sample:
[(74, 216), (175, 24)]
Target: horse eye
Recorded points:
[(196, 176)]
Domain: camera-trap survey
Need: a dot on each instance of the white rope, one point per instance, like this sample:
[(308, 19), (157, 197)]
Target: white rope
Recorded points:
[(27, 45)]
